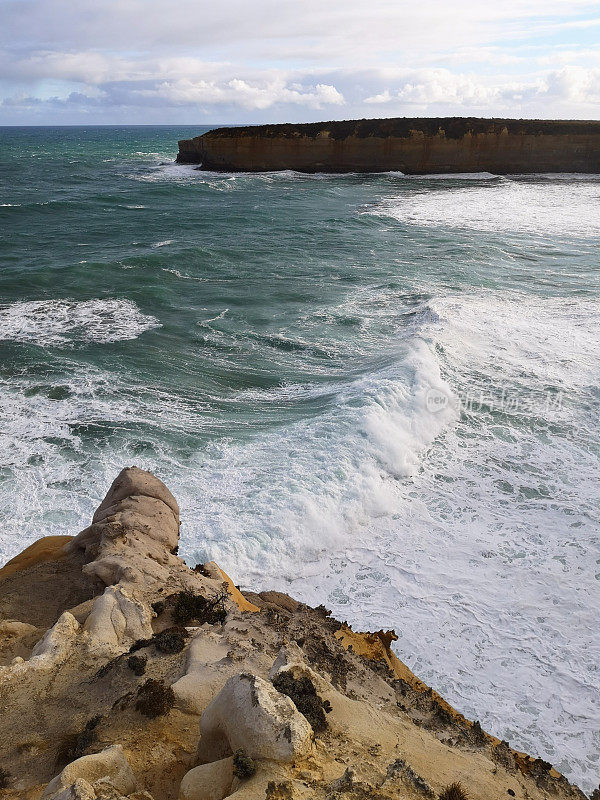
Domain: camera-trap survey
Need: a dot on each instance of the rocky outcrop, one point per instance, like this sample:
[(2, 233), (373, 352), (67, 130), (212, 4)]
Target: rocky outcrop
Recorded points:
[(110, 764), (126, 674), (250, 714), (412, 146), (208, 781)]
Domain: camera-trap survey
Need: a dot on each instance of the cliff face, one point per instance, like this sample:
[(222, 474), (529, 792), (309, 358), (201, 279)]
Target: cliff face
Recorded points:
[(126, 674), (413, 146)]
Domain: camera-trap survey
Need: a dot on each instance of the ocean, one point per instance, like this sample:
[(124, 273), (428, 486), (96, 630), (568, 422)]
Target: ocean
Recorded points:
[(375, 392)]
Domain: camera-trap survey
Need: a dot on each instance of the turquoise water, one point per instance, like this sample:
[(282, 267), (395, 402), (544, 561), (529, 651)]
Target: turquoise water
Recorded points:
[(374, 392)]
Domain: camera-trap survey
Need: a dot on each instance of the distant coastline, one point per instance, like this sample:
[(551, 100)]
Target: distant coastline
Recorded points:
[(419, 146)]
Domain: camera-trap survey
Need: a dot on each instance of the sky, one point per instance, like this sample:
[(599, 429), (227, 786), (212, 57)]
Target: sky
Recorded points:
[(228, 61)]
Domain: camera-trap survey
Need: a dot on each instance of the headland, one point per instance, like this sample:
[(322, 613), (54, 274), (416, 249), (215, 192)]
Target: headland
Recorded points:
[(420, 146)]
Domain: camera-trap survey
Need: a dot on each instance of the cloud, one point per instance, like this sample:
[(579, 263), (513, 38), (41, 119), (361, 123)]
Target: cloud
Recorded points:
[(247, 95), (283, 60), (438, 86), (554, 93)]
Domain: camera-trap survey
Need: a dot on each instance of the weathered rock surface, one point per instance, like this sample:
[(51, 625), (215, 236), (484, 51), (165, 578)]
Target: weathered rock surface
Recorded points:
[(110, 763), (250, 714), (208, 781), (413, 146), (80, 789), (90, 625)]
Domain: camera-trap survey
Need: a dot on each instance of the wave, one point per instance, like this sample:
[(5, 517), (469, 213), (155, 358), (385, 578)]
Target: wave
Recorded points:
[(398, 504), (226, 181), (213, 319), (455, 176), (60, 323), (556, 208)]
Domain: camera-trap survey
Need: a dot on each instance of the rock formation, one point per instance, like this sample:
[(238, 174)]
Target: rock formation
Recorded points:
[(412, 146), (126, 674)]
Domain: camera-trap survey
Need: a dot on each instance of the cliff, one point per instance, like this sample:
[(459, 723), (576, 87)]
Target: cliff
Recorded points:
[(124, 673), (412, 146)]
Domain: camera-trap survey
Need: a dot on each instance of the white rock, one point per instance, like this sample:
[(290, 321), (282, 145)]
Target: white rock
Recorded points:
[(116, 621), (198, 686), (110, 763), (250, 713), (56, 643), (133, 481), (208, 781)]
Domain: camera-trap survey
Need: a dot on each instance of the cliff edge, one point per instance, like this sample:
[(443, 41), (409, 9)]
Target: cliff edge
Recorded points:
[(126, 674), (412, 146)]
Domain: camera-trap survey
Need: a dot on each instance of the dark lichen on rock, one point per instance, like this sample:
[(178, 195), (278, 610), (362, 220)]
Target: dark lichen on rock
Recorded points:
[(189, 607), (154, 698), (137, 664), (304, 695), (244, 767)]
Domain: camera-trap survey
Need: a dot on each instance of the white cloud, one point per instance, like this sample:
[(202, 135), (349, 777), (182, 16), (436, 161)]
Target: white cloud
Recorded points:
[(245, 94), (382, 97), (284, 59), (548, 94)]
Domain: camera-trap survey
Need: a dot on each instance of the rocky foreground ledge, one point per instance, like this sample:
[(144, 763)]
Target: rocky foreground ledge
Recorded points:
[(126, 674), (412, 146)]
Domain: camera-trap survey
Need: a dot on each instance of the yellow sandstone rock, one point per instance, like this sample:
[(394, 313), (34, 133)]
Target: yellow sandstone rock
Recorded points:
[(49, 548)]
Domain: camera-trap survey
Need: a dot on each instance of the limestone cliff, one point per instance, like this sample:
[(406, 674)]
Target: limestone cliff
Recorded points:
[(126, 674), (413, 146)]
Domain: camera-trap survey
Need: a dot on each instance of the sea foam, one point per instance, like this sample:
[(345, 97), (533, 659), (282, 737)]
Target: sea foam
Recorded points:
[(59, 323), (502, 205)]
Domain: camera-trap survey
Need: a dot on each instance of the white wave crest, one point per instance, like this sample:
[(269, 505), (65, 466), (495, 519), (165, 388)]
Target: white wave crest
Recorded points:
[(552, 207), (59, 323)]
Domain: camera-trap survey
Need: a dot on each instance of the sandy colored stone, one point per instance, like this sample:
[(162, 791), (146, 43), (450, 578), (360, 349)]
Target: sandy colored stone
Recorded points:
[(250, 714), (49, 548), (208, 781), (13, 628), (110, 763), (80, 789), (66, 626), (150, 515), (116, 620), (49, 653), (133, 481)]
